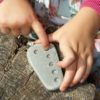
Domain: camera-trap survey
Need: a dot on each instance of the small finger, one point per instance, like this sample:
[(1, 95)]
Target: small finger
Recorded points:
[(51, 38), (37, 27), (81, 68), (69, 75), (88, 69), (69, 57)]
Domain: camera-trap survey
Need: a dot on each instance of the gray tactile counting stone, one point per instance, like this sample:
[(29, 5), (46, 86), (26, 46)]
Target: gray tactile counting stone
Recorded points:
[(44, 64)]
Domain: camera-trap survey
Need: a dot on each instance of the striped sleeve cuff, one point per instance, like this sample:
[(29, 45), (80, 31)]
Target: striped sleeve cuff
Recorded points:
[(94, 4)]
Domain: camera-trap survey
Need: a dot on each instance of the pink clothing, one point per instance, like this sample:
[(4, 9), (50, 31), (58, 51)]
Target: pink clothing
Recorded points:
[(1, 1), (95, 4)]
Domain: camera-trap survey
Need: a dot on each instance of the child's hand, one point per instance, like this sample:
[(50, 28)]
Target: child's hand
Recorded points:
[(76, 42), (17, 17)]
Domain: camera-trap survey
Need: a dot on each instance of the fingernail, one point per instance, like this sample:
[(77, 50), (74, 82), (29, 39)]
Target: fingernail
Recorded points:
[(46, 48), (71, 85), (82, 81), (62, 89)]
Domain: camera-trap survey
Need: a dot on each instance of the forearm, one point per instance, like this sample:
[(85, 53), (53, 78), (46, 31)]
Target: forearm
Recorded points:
[(86, 20)]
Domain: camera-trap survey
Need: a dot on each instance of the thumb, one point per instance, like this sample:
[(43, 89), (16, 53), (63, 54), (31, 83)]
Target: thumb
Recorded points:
[(38, 28), (69, 57), (52, 37)]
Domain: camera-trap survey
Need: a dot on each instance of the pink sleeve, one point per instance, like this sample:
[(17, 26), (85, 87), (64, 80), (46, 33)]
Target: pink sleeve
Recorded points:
[(95, 4), (1, 1)]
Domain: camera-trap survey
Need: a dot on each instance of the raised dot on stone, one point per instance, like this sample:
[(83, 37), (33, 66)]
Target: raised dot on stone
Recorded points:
[(35, 51), (54, 71), (48, 55), (56, 79), (51, 64)]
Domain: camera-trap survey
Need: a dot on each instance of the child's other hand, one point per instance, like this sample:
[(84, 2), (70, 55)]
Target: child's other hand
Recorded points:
[(77, 49), (76, 42), (17, 17)]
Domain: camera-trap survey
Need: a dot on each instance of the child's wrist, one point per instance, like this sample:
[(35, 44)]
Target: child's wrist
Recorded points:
[(89, 19)]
